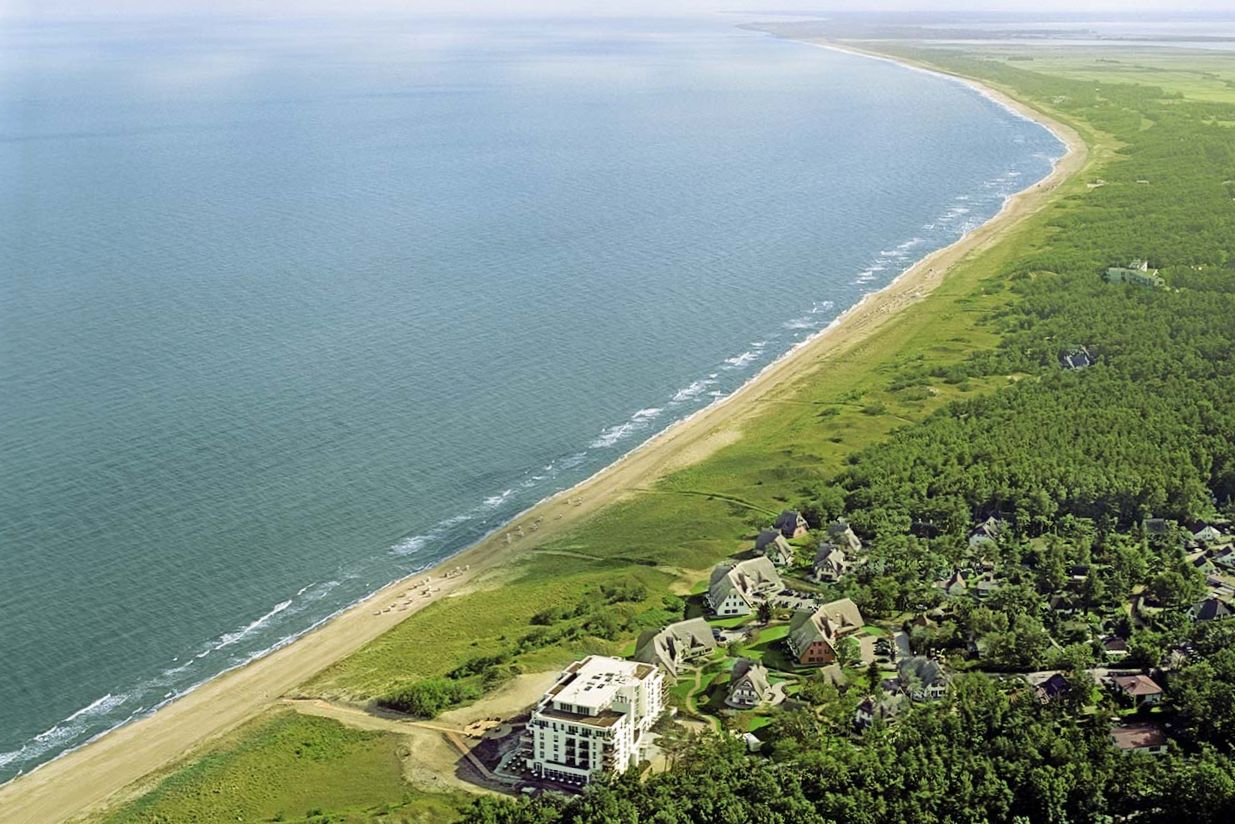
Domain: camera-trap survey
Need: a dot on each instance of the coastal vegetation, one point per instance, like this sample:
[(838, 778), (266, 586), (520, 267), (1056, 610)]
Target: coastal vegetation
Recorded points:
[(960, 410)]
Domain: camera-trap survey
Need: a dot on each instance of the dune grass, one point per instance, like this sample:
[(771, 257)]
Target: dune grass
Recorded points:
[(291, 767)]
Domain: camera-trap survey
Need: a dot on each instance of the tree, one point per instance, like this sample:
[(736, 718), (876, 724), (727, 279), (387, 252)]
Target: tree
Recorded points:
[(848, 651)]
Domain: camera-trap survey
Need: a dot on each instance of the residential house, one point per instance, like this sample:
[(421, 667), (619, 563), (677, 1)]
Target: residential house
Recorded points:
[(594, 719), (1156, 527), (1224, 558), (791, 524), (676, 646), (987, 531), (841, 534), (1077, 358), (1137, 273), (1053, 688), (1114, 648), (1211, 609), (922, 678), (1141, 689), (885, 709), (954, 585), (814, 636), (739, 588), (830, 563), (749, 686), (1062, 604), (773, 544), (1207, 535), (985, 586), (1145, 737)]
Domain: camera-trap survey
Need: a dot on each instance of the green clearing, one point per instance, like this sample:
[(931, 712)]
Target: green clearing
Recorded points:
[(291, 767), (1194, 75), (796, 446)]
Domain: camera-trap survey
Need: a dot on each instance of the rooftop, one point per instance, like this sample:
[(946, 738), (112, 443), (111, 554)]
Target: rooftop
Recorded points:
[(594, 681), (1135, 736)]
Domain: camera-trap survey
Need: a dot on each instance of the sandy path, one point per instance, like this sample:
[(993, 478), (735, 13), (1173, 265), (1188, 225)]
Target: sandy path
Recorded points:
[(83, 780)]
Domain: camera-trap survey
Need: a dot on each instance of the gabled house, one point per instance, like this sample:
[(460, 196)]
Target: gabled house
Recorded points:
[(739, 588), (1144, 737), (1114, 648), (677, 646), (1077, 358), (985, 586), (1207, 535), (841, 534), (830, 563), (1053, 688), (814, 636), (749, 686), (1224, 558), (772, 544), (1211, 609), (1156, 527), (986, 532), (885, 709), (1141, 689), (791, 524), (954, 585), (922, 678)]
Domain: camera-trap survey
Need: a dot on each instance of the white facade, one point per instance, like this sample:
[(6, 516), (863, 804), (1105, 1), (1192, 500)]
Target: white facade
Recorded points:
[(594, 719)]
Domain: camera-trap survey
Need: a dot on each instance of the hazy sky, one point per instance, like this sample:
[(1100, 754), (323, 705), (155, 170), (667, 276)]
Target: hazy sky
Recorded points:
[(94, 8)]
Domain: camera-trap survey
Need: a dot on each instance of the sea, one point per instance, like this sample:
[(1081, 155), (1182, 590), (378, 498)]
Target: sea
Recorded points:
[(291, 308)]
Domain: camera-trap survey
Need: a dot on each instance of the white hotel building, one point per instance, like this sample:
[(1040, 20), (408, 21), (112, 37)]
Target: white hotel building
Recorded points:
[(594, 719)]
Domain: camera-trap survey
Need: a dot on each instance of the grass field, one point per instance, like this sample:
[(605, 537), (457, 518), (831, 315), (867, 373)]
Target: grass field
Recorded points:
[(666, 537), (290, 767), (1195, 75)]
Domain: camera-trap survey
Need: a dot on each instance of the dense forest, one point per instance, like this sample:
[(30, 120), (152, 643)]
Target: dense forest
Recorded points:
[(1074, 461)]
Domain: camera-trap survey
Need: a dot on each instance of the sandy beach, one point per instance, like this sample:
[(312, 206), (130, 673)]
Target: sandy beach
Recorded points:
[(81, 781)]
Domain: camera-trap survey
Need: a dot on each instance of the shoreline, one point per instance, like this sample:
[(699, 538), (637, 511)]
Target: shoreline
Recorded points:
[(81, 780)]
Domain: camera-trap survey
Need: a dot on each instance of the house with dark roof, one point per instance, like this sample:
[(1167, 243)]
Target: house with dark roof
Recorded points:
[(771, 543), (1053, 688), (1211, 609), (676, 646), (1224, 558), (955, 584), (922, 678), (1077, 357), (987, 531), (749, 686), (841, 534), (1144, 737), (830, 563), (814, 636), (791, 524), (1114, 648)]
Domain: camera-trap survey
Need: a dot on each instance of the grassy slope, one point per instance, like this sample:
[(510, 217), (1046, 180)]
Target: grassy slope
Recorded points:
[(666, 536), (289, 767)]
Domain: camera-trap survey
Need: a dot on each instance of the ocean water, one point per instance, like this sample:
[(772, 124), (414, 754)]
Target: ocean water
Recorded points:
[(289, 310)]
